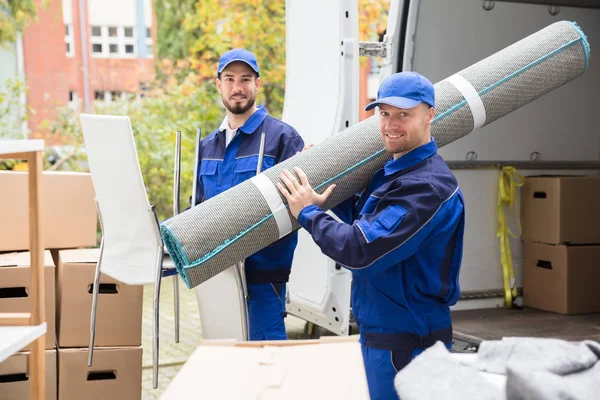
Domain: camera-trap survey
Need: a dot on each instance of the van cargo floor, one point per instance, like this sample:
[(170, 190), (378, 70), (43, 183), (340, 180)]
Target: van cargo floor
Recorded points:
[(492, 324)]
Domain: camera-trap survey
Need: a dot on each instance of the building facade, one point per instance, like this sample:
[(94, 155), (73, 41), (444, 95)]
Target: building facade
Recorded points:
[(79, 51)]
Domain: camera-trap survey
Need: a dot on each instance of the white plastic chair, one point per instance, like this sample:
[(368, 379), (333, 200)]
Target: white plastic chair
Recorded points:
[(132, 250)]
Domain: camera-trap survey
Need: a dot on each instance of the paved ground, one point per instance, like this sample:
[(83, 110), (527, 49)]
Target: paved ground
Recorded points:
[(173, 355)]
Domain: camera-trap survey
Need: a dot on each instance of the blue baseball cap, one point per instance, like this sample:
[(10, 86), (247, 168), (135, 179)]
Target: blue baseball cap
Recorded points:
[(240, 55), (404, 90)]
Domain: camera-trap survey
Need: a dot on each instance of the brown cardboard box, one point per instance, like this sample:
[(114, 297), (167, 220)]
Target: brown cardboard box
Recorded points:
[(562, 279), (116, 374), (69, 217), (273, 369), (119, 316), (561, 209), (14, 381), (15, 281)]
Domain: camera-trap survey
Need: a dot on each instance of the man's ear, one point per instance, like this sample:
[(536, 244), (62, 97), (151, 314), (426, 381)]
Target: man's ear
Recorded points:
[(218, 83), (258, 83), (430, 115)]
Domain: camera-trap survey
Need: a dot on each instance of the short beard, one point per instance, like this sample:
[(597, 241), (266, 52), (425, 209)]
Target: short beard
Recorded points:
[(239, 109)]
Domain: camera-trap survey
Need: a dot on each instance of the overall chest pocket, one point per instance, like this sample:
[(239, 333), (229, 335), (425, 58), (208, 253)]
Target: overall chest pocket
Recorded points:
[(385, 223), (245, 168), (209, 174)]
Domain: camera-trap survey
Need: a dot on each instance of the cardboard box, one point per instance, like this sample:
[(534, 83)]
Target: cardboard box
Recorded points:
[(561, 209), (562, 279), (15, 283), (119, 315), (69, 217), (14, 380), (324, 369), (116, 374)]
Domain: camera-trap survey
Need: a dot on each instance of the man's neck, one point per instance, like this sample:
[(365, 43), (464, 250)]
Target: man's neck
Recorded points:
[(237, 120)]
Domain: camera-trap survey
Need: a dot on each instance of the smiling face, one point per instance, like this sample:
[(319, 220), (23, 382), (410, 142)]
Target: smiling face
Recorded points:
[(238, 85), (403, 130)]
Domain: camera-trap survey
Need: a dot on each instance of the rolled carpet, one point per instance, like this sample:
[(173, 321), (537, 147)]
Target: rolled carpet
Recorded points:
[(207, 239)]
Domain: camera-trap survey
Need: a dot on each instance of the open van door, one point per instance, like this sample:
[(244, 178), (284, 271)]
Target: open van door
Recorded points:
[(321, 99)]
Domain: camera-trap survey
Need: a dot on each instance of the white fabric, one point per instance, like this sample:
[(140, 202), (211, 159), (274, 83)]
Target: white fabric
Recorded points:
[(273, 199), (229, 133), (472, 98), (131, 243)]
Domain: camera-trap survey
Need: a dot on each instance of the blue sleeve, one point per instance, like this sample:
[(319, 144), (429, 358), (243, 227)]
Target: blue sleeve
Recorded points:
[(399, 226), (199, 188), (346, 210), (290, 145)]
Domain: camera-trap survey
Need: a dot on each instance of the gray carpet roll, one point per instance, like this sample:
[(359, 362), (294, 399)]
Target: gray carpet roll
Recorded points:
[(207, 239)]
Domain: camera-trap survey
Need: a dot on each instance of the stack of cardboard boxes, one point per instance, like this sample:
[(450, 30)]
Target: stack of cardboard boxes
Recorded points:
[(69, 222), (561, 229), (116, 372), (15, 279)]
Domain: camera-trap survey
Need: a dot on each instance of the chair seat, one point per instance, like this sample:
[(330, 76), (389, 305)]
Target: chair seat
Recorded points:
[(168, 262)]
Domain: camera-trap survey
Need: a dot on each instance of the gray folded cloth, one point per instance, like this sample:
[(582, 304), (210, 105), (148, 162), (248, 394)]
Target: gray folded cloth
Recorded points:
[(535, 369), (523, 384), (551, 355), (434, 374), (561, 371)]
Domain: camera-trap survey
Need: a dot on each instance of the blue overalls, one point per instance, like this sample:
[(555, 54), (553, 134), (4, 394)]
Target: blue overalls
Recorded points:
[(403, 241), (221, 168)]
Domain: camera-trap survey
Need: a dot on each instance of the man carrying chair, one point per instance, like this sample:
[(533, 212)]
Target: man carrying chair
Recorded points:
[(249, 141)]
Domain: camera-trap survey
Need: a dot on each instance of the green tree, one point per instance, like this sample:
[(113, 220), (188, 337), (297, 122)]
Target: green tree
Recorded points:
[(216, 26), (14, 16), (172, 41), (10, 116)]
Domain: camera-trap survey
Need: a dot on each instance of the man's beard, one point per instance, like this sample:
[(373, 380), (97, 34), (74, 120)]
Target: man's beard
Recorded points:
[(239, 108)]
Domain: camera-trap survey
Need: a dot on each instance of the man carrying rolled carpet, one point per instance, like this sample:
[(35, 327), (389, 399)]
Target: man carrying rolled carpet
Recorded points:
[(229, 156), (402, 238)]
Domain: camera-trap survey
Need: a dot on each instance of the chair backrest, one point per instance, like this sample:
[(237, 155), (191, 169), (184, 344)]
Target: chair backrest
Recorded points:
[(131, 243)]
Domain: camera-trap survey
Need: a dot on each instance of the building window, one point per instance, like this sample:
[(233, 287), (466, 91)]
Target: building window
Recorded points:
[(73, 100), (69, 40), (109, 95), (149, 43), (96, 31), (114, 42)]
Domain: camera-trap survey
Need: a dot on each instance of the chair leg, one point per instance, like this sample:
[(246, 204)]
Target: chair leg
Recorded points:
[(95, 291), (155, 336), (243, 289), (176, 303)]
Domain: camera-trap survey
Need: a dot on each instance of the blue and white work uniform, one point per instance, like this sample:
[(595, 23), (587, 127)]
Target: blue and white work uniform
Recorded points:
[(403, 242), (228, 158)]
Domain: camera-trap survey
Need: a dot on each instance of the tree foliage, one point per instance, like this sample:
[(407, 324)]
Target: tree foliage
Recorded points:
[(172, 40), (14, 16), (216, 26)]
